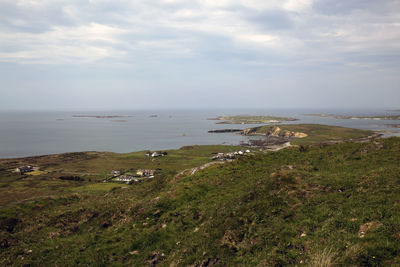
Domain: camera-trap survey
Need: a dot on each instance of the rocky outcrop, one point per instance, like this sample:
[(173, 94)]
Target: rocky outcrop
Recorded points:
[(274, 131), (367, 227), (250, 131), (299, 135)]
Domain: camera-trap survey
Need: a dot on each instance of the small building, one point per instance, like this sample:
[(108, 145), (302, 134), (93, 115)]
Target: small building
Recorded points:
[(156, 154), (115, 173), (24, 169), (219, 156), (145, 173), (231, 155), (125, 178)]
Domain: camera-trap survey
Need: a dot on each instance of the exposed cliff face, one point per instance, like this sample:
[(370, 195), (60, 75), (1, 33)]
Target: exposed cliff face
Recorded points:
[(273, 131)]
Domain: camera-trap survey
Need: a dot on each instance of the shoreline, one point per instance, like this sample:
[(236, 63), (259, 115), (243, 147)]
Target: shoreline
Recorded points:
[(256, 143), (348, 117)]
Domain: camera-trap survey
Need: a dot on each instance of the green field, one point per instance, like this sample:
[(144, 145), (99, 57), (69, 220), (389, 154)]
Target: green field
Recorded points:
[(93, 167), (336, 204)]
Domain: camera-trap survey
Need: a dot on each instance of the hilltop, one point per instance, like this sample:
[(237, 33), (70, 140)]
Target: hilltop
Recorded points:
[(337, 204)]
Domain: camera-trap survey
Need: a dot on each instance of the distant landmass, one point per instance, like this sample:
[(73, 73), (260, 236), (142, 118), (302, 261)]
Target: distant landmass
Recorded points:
[(102, 116), (225, 131), (246, 119), (347, 117), (393, 125)]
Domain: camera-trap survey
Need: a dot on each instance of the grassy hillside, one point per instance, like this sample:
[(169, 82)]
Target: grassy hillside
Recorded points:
[(92, 167), (337, 204), (316, 132)]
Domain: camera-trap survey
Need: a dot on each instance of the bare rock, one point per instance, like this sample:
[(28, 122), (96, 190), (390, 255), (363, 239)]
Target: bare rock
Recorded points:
[(299, 135), (208, 262), (366, 227), (155, 258)]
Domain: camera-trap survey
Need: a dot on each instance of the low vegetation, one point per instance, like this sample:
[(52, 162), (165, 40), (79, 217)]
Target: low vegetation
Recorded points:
[(246, 119), (334, 205), (61, 171), (315, 133)]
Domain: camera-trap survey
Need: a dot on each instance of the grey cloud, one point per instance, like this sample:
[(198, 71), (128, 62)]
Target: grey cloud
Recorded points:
[(166, 47), (32, 19), (270, 19), (334, 7)]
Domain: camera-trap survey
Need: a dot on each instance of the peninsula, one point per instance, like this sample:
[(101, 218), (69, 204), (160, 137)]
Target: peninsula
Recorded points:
[(306, 134), (247, 119)]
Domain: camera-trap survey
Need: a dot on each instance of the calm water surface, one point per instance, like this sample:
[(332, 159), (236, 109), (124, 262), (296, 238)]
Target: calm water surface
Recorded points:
[(39, 133)]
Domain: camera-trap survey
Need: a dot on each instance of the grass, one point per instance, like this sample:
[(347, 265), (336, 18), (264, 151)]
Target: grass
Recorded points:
[(318, 133), (92, 167), (246, 119), (284, 208), (324, 258), (36, 172), (96, 188)]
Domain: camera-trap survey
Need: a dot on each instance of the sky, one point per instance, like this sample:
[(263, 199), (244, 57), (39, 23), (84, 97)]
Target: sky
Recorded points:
[(180, 54)]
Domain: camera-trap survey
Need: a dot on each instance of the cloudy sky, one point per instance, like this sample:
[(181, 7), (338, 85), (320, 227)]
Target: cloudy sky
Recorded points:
[(119, 54)]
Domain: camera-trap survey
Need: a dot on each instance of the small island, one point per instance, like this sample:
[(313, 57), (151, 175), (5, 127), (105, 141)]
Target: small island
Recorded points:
[(393, 125), (247, 119), (225, 131), (347, 117), (102, 116)]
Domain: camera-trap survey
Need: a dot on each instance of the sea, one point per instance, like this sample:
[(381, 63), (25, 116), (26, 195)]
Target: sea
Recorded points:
[(32, 133)]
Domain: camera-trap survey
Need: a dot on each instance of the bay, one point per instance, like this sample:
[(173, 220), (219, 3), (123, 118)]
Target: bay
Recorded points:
[(30, 133)]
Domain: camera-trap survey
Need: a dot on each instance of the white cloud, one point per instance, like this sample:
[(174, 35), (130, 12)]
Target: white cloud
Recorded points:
[(86, 43), (77, 31), (258, 39), (297, 5)]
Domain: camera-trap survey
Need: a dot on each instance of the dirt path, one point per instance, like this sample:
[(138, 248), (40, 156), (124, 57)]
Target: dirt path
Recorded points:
[(190, 172)]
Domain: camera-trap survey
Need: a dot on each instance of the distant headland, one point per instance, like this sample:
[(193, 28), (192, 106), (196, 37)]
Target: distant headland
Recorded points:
[(246, 119), (347, 117)]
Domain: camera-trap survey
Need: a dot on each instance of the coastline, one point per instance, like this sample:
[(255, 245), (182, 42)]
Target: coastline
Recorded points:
[(25, 134)]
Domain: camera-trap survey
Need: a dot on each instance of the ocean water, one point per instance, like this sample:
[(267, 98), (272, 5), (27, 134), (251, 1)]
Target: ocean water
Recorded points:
[(40, 133)]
